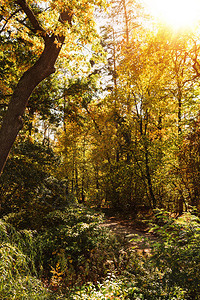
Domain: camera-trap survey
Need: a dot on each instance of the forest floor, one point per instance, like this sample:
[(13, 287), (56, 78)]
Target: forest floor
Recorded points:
[(136, 235)]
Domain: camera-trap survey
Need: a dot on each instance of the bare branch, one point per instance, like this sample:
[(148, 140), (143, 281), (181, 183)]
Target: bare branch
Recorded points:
[(6, 21)]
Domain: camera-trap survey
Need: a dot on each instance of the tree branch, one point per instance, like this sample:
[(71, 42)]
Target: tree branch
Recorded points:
[(6, 21), (32, 18), (25, 25)]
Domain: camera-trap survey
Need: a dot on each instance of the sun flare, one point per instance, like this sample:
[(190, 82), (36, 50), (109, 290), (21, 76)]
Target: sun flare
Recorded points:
[(176, 13)]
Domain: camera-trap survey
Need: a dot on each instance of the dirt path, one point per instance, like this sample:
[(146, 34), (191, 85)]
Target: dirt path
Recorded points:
[(137, 239)]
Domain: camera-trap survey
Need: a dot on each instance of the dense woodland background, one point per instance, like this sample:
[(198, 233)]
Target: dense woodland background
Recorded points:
[(115, 127)]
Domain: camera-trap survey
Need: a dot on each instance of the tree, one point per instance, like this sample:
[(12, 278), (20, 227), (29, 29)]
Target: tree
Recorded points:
[(27, 168), (147, 120), (47, 28), (189, 157)]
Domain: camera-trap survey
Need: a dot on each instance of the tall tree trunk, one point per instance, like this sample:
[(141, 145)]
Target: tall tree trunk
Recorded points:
[(13, 120), (82, 189), (180, 204), (179, 110), (148, 176), (143, 132), (126, 21), (76, 183)]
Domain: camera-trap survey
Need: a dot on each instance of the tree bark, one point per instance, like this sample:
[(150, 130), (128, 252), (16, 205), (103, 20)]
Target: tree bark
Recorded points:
[(13, 120), (152, 203)]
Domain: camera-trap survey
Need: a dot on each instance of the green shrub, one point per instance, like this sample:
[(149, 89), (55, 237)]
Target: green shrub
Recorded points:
[(78, 259), (29, 189), (124, 288), (177, 252), (16, 268), (75, 249), (111, 288)]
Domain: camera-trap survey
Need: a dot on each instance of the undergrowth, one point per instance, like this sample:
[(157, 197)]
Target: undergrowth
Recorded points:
[(72, 257), (17, 272)]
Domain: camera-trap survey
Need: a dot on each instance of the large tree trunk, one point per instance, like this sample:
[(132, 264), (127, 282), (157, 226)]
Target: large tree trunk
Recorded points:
[(12, 122)]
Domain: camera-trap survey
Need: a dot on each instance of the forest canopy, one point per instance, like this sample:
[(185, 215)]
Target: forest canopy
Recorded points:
[(120, 113), (125, 130)]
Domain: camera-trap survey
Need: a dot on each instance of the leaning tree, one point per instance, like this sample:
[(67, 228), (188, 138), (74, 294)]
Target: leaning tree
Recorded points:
[(52, 26)]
